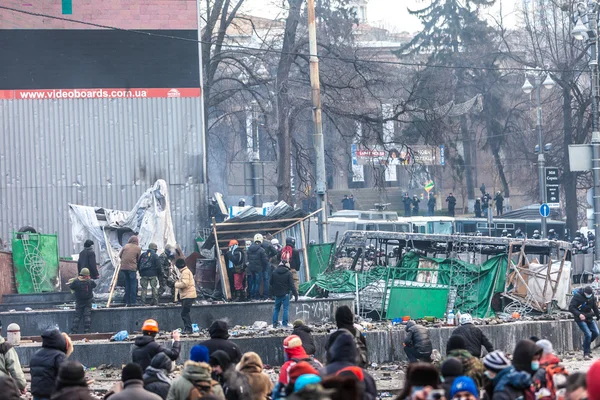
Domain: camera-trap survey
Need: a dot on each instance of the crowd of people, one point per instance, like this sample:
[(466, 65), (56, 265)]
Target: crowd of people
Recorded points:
[(411, 205)]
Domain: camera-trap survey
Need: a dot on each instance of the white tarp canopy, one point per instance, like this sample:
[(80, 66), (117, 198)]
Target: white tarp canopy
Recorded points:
[(150, 219), (538, 282)]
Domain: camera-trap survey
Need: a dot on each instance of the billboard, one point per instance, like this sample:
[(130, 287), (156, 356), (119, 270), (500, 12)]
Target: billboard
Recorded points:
[(403, 155)]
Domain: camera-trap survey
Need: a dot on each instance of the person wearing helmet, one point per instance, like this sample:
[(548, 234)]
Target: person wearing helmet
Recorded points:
[(235, 260), (258, 262), (519, 234), (536, 235), (146, 348), (473, 336), (149, 267), (166, 260), (242, 203), (504, 233), (294, 261), (552, 235), (83, 289)]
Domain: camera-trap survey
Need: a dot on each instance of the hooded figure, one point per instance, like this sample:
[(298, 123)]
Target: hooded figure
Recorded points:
[(294, 353), (219, 336), (551, 374), (44, 364), (419, 375), (71, 383), (133, 385), (9, 388), (451, 369), (344, 319), (87, 259), (252, 367), (235, 385), (305, 334), (506, 382), (417, 344), (472, 366), (526, 356), (343, 354), (195, 380), (156, 377)]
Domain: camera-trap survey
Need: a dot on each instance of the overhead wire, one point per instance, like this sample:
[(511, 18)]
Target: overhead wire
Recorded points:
[(269, 50)]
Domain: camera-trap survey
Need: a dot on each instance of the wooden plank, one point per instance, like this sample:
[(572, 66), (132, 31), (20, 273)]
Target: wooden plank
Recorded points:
[(305, 253), (222, 270), (115, 277)]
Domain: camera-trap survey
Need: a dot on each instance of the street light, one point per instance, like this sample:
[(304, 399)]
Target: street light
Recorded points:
[(527, 88), (580, 31)]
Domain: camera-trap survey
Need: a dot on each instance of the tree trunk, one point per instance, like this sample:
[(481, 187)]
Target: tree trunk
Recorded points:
[(466, 139), (284, 139), (569, 179), (501, 175)]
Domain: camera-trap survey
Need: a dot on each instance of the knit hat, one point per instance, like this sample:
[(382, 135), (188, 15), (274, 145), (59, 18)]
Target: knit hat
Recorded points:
[(588, 290), (546, 345), (353, 371), (292, 342), (301, 368), (297, 323), (593, 381), (452, 367), (305, 380), (132, 371), (455, 343), (88, 243), (464, 384), (220, 358), (71, 373), (199, 353), (496, 361), (180, 263), (84, 272)]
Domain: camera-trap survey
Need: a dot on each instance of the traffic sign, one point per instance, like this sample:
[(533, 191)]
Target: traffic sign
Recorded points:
[(553, 196), (544, 210), (552, 176)]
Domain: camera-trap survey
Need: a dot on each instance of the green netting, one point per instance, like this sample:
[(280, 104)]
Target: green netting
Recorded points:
[(475, 284), (318, 257), (344, 281), (35, 259)]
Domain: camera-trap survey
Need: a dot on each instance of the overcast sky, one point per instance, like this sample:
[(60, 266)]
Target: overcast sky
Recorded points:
[(390, 14)]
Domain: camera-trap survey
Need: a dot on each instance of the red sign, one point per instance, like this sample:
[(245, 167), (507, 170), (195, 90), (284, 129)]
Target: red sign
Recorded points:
[(135, 93)]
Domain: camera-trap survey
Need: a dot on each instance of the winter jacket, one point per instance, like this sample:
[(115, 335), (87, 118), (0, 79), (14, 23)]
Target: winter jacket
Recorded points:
[(156, 376), (295, 260), (305, 334), (582, 305), (9, 389), (474, 339), (235, 259), (343, 353), (83, 288), (523, 354), (130, 255), (146, 348), (218, 341), (511, 384), (134, 390), (447, 386), (472, 366), (165, 265), (10, 364), (236, 385), (344, 319), (193, 373), (73, 393), (252, 367), (185, 286), (282, 282), (45, 362), (87, 259), (257, 259), (149, 264), (417, 336)]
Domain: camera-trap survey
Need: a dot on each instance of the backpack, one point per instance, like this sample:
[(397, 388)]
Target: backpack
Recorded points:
[(146, 261), (556, 376), (361, 349), (286, 254)]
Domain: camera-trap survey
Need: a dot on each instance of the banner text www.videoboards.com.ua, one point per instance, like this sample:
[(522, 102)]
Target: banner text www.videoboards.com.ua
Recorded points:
[(119, 93)]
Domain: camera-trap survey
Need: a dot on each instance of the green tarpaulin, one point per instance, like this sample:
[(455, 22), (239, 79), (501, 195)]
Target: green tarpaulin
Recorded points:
[(318, 258), (35, 258)]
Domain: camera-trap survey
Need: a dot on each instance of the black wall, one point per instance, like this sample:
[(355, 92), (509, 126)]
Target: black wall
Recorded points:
[(71, 59)]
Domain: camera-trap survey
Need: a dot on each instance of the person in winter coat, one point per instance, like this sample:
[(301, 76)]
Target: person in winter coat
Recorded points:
[(146, 347), (450, 370), (219, 336), (71, 383), (415, 205), (235, 385), (235, 259), (342, 354), (87, 259), (344, 319), (10, 364), (506, 383), (156, 376), (44, 364), (431, 205), (551, 375), (258, 262), (150, 269), (130, 255), (419, 375), (527, 356), (83, 288), (165, 281), (451, 200), (305, 334), (252, 367), (282, 283), (185, 288), (294, 353), (407, 202), (464, 388), (195, 382), (472, 366), (583, 307), (294, 260), (132, 379), (9, 388), (417, 344), (474, 337), (296, 371)]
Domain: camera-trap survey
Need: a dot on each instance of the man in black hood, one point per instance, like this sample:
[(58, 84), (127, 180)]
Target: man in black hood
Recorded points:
[(45, 363), (87, 259), (219, 340), (305, 334), (235, 384), (526, 356), (583, 307), (417, 344), (344, 319)]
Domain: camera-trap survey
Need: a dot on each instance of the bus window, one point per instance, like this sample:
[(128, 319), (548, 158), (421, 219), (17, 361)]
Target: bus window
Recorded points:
[(442, 228), (376, 216), (402, 227), (422, 229), (386, 227), (360, 227), (371, 227)]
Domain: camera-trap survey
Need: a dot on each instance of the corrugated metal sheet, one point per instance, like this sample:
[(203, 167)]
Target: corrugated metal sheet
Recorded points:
[(98, 152)]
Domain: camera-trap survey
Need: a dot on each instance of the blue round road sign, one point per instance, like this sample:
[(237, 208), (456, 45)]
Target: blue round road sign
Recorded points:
[(544, 210)]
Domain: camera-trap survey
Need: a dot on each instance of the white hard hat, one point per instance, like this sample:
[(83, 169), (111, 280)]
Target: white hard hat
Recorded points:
[(465, 319), (258, 238), (274, 241)]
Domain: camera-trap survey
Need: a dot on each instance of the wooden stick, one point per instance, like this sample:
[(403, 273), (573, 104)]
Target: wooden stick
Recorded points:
[(115, 277), (222, 269)]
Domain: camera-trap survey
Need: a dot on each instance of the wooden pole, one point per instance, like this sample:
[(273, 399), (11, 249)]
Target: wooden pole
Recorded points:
[(115, 277), (305, 253), (222, 268)]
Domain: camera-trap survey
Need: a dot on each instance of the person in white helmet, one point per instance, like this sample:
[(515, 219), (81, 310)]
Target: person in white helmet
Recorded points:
[(257, 263), (473, 336)]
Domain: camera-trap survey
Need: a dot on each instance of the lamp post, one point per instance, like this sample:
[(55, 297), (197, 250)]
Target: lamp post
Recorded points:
[(527, 88), (586, 28)]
